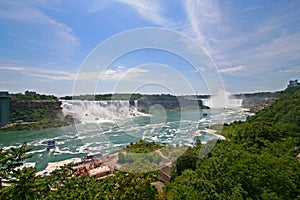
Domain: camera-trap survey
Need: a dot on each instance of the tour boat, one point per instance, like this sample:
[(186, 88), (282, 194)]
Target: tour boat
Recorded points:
[(51, 144)]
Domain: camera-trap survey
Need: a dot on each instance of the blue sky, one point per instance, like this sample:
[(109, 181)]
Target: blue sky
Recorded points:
[(255, 45)]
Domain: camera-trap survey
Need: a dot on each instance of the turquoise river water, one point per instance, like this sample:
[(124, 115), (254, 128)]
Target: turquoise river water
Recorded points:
[(173, 127)]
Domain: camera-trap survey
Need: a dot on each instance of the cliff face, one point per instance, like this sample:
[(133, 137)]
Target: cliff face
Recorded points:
[(169, 104), (256, 103)]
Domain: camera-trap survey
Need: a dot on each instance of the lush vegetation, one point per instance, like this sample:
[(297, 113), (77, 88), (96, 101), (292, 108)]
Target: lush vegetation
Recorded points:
[(259, 95), (257, 161), (63, 184), (31, 96), (140, 157), (33, 107), (139, 162), (142, 147), (10, 160)]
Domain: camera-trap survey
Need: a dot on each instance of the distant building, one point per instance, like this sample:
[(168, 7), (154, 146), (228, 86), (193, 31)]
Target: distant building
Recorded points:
[(30, 92), (293, 83), (4, 108)]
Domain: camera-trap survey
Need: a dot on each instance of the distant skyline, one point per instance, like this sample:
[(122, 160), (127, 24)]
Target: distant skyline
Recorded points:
[(255, 45)]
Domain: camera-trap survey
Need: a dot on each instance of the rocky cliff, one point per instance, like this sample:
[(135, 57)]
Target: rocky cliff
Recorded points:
[(145, 104)]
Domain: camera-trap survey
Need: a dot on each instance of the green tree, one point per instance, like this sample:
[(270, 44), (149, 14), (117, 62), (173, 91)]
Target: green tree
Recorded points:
[(12, 158)]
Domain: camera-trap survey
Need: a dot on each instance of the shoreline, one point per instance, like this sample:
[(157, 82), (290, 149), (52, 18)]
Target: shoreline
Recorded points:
[(209, 131)]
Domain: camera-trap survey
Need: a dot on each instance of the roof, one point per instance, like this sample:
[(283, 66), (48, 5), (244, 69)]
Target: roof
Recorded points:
[(99, 170)]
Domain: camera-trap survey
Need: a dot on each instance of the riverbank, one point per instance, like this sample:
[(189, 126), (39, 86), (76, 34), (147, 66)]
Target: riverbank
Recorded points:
[(212, 134)]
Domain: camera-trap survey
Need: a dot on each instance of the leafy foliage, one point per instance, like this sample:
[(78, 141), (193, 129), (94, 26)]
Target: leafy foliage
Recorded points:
[(140, 157), (31, 96), (34, 110), (257, 161), (63, 184), (142, 147), (11, 159)]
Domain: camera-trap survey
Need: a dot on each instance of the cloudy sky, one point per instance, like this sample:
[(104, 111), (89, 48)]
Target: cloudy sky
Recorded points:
[(44, 45)]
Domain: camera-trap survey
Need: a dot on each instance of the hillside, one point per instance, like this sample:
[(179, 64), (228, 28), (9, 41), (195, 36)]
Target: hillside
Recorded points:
[(259, 159)]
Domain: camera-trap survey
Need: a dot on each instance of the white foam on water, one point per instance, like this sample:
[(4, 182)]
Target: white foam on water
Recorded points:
[(60, 151), (107, 137), (9, 147), (99, 111), (38, 151)]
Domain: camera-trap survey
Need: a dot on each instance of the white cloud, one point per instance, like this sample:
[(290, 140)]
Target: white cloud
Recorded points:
[(285, 70), (232, 69), (40, 72), (121, 67), (59, 75), (148, 9), (11, 68), (231, 39), (91, 6), (290, 70), (266, 56), (202, 15), (128, 75), (253, 8), (193, 19)]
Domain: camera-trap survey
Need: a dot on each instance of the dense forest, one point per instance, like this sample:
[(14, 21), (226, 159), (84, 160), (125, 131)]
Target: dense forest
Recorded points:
[(258, 160)]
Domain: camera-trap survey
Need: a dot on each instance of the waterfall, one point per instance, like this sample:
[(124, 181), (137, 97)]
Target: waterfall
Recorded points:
[(99, 111), (136, 104), (222, 100), (234, 103)]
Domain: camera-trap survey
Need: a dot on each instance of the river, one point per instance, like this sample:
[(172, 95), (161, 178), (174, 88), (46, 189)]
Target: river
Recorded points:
[(171, 127)]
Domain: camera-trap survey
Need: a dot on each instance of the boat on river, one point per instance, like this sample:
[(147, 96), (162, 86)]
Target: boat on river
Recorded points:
[(51, 144)]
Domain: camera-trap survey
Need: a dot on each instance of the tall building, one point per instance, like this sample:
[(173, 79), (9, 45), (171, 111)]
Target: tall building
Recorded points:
[(4, 108)]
